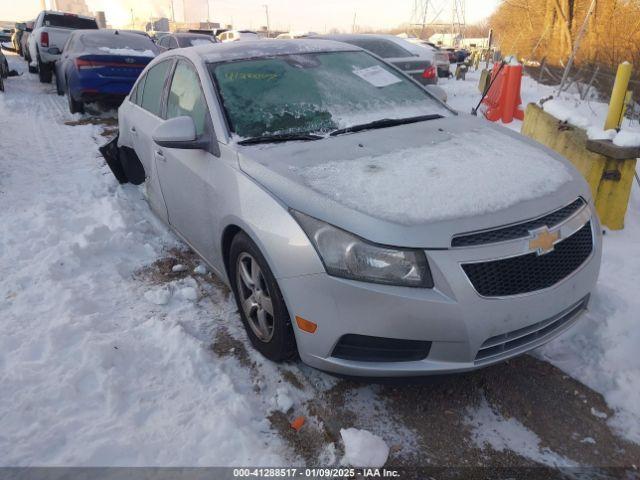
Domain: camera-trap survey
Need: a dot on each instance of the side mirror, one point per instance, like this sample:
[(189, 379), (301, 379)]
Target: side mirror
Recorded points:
[(54, 51), (179, 132), (21, 26), (437, 92), (27, 29)]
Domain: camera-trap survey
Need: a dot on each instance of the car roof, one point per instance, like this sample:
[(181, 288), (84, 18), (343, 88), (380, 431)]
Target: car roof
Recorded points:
[(221, 52)]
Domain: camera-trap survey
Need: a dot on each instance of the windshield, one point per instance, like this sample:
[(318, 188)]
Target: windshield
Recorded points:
[(315, 93)]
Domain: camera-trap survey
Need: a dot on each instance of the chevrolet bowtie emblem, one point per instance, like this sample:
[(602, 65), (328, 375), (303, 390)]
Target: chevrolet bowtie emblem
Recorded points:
[(543, 240)]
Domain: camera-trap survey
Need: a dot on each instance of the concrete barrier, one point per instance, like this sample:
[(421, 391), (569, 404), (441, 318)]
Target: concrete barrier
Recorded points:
[(608, 169)]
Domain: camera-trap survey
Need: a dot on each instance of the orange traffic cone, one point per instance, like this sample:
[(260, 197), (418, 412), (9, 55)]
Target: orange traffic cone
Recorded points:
[(503, 99)]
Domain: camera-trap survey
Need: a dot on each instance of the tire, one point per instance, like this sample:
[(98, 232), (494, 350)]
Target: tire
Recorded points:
[(75, 106), (280, 345), (45, 72), (59, 89)]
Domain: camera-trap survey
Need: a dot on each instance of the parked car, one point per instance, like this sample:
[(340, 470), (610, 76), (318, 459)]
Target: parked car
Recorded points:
[(419, 65), (5, 35), (50, 32), (4, 69), (379, 233), (441, 58), (238, 35), (292, 35), (24, 39), (137, 32), (183, 40), (101, 66), (17, 34)]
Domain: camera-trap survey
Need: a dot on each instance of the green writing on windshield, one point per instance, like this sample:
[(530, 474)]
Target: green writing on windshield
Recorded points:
[(233, 76)]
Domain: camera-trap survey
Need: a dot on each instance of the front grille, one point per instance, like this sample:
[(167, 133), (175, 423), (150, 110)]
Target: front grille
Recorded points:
[(509, 343), (521, 230), (531, 272), (363, 348)]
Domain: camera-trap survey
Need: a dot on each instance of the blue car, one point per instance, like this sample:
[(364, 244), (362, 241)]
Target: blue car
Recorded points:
[(101, 66)]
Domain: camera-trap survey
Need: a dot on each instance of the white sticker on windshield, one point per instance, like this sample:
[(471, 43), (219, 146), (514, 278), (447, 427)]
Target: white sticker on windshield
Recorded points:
[(377, 76)]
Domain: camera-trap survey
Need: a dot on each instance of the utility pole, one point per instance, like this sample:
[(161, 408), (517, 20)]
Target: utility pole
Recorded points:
[(133, 24), (266, 11), (173, 12), (353, 25), (208, 14)]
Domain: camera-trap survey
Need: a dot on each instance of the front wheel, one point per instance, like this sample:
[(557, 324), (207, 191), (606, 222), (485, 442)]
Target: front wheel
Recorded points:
[(261, 305)]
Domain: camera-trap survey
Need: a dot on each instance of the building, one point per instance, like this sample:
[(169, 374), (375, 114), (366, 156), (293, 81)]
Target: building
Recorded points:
[(479, 42), (446, 39), (101, 19)]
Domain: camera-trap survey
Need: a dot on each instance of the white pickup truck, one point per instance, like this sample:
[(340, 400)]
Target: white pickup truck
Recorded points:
[(50, 32)]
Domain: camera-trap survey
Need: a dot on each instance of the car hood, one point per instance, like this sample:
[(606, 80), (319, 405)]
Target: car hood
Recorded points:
[(417, 185)]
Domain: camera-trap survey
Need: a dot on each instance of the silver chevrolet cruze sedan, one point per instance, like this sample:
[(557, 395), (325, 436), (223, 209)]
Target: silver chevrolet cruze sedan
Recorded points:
[(361, 223)]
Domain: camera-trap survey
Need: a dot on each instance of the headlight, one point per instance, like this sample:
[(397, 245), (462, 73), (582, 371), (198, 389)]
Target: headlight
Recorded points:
[(348, 256)]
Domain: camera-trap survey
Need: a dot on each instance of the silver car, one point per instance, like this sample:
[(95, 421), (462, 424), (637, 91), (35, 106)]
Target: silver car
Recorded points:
[(361, 223)]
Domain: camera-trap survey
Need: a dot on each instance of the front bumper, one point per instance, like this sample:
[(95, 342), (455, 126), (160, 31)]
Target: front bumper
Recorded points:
[(459, 323)]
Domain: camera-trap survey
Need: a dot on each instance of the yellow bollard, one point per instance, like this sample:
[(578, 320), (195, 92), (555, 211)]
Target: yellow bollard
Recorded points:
[(618, 94)]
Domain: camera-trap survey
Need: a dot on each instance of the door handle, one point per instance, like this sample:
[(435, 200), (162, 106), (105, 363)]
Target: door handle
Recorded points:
[(133, 130), (160, 155)]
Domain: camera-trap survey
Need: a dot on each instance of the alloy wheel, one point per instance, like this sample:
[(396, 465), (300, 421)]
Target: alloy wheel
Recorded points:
[(254, 297)]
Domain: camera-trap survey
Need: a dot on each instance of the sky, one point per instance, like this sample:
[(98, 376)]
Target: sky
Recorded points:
[(300, 15)]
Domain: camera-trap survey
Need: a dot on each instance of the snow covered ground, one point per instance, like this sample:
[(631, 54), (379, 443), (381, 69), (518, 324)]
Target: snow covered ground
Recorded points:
[(102, 363), (91, 372)]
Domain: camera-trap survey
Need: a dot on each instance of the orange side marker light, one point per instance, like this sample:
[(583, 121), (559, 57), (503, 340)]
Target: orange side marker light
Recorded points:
[(306, 325)]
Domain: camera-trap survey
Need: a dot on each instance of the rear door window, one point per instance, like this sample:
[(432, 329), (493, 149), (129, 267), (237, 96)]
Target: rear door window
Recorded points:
[(154, 87), (69, 21), (186, 97)]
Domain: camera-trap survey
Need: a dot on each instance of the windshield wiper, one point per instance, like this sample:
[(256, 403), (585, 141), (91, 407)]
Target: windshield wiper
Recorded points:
[(284, 137), (385, 122)]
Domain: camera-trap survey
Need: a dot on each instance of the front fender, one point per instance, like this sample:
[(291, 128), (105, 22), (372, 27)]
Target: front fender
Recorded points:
[(269, 224)]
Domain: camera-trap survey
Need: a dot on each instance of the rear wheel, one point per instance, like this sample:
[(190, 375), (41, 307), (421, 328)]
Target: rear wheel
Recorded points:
[(75, 106), (261, 305), (45, 72)]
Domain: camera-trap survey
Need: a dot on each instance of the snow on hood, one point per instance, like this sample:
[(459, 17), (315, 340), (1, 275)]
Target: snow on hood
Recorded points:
[(471, 174)]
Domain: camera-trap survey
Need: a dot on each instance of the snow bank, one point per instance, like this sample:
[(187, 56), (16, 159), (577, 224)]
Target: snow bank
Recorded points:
[(363, 448), (91, 373), (595, 133), (626, 138), (128, 52), (566, 114), (452, 179)]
